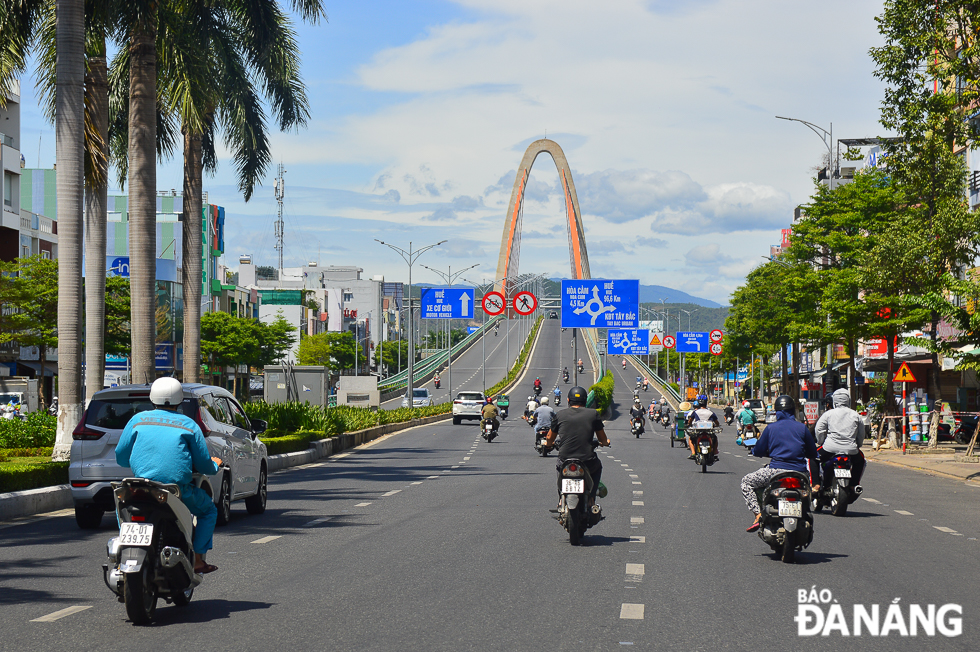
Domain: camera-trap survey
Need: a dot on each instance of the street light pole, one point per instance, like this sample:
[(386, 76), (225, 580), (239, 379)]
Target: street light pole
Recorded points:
[(449, 277), (828, 139), (410, 257)]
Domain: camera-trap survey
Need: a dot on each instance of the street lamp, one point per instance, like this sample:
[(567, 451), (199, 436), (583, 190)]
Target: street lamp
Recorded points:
[(828, 139), (410, 257), (483, 338), (448, 276)]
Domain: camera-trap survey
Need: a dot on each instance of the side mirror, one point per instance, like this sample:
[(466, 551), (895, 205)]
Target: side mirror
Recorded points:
[(259, 426)]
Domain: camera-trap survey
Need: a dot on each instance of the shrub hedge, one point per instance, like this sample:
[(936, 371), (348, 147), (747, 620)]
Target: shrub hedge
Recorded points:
[(38, 430), (18, 477), (602, 392), (287, 443)]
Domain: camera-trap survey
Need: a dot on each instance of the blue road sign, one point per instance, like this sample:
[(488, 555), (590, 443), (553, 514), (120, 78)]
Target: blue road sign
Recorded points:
[(447, 303), (693, 343), (628, 342), (599, 303), (472, 329), (119, 267)]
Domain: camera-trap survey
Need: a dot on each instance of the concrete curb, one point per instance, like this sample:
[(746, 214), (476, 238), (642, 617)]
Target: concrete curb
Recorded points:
[(922, 469), (48, 499)]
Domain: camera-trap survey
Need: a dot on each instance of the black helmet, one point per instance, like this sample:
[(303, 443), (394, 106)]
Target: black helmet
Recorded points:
[(703, 402), (785, 403), (577, 396)]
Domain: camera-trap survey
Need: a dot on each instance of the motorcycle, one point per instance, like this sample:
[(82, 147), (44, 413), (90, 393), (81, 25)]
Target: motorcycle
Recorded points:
[(537, 390), (575, 486), (701, 432), (729, 418), (581, 368), (53, 408), (748, 436), (840, 487), (787, 524), (636, 426), (152, 557), (665, 419), (557, 400), (437, 382), (489, 431), (564, 376), (539, 445)]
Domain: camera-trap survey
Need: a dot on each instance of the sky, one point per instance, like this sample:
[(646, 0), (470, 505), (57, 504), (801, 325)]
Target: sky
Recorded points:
[(421, 111)]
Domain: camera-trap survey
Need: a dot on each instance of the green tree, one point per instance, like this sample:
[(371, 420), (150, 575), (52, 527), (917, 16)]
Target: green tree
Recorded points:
[(333, 350), (279, 339), (390, 351), (117, 338)]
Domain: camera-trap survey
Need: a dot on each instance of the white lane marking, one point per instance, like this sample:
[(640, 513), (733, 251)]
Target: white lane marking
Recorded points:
[(903, 512), (635, 569), (726, 452), (947, 530), (637, 482), (391, 493), (638, 503), (454, 467), (313, 522), (631, 611), (637, 493), (638, 539), (416, 483), (445, 470), (634, 476), (738, 456), (431, 477), (61, 613), (624, 464), (268, 539), (466, 458), (636, 520), (617, 460), (362, 504), (872, 500), (627, 469)]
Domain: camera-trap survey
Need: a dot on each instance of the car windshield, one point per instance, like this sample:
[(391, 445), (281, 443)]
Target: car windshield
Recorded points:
[(115, 413), (421, 393), (470, 396)]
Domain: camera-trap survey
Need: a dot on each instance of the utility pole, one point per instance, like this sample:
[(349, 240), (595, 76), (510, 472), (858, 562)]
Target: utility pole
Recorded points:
[(279, 187)]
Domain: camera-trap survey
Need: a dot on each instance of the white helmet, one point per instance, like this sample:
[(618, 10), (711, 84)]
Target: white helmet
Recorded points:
[(166, 392), (544, 400)]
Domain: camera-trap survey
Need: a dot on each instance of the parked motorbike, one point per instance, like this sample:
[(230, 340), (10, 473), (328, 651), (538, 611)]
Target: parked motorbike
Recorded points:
[(539, 445), (787, 524), (839, 487), (965, 425), (636, 426), (152, 557), (575, 486), (489, 431), (701, 432)]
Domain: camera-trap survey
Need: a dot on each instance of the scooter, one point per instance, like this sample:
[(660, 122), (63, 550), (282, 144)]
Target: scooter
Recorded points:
[(537, 391), (437, 382), (564, 376), (665, 419), (729, 418), (581, 368), (701, 433), (539, 445), (557, 398), (840, 487), (748, 436), (575, 487), (152, 557), (787, 524), (489, 431), (636, 426)]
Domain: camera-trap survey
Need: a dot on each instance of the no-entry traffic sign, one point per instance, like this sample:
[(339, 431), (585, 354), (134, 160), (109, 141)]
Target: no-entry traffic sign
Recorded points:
[(716, 349), (525, 303), (715, 336), (493, 303), (669, 342)]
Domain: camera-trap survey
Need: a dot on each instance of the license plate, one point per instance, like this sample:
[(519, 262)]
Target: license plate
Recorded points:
[(135, 534), (573, 486), (788, 508), (704, 425), (842, 473), (705, 450)]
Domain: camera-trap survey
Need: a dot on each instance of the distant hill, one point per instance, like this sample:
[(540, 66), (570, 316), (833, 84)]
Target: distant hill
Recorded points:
[(654, 293), (701, 319)]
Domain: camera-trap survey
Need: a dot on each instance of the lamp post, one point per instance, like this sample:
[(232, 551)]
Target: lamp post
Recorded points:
[(828, 139), (410, 257), (448, 276)]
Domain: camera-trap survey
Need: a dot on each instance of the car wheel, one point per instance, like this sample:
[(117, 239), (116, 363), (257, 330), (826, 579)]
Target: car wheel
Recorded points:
[(224, 500), (456, 421), (88, 517), (256, 504)]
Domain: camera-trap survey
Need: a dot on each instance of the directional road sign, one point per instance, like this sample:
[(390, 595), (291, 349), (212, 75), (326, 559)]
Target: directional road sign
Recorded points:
[(525, 303), (715, 348), (716, 335), (692, 342), (656, 342), (669, 342), (599, 303), (447, 303), (904, 374), (628, 342), (493, 303)]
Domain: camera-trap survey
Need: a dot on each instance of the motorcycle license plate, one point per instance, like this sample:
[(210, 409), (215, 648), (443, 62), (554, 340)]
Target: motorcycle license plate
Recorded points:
[(135, 534), (705, 450), (842, 473), (788, 508), (572, 485)]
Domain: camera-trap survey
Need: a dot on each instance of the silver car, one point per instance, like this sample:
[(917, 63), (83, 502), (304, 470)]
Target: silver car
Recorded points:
[(468, 405), (420, 398), (230, 435)]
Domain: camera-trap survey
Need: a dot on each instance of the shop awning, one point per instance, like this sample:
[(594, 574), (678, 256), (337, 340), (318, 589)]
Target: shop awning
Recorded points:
[(881, 364), (50, 368)]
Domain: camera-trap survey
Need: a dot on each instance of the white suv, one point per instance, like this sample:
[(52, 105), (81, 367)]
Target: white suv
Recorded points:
[(468, 405), (420, 398)]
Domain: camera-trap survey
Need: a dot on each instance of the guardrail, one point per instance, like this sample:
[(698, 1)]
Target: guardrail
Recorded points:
[(661, 384), (430, 364)]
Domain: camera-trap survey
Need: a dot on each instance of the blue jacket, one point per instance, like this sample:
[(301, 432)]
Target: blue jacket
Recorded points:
[(164, 446), (787, 442)]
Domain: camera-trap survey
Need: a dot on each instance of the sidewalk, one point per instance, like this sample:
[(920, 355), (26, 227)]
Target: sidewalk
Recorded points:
[(944, 462)]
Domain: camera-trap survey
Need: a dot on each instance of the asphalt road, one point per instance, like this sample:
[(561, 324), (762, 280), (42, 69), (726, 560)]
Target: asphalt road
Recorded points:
[(431, 539)]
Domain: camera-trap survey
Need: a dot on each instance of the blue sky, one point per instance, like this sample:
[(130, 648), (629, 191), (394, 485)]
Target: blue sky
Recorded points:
[(421, 111)]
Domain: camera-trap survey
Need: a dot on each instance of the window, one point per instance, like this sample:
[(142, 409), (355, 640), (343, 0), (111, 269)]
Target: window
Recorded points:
[(238, 416), (45, 254), (8, 189), (218, 408)]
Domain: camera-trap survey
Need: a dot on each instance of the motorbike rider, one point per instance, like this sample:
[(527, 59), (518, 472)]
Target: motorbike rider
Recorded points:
[(580, 365), (490, 413), (636, 412), (654, 411), (702, 413), (544, 414), (746, 417), (557, 393), (729, 411), (165, 446), (839, 431), (564, 374), (436, 379), (790, 446), (532, 405), (537, 385), (576, 425), (646, 383), (624, 363)]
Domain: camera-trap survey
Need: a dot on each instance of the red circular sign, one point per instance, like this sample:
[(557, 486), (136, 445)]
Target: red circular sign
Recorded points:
[(716, 349), (493, 303), (669, 342), (716, 335), (525, 303)]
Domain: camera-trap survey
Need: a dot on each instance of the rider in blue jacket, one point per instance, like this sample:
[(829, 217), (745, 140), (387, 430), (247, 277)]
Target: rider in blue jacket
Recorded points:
[(789, 444)]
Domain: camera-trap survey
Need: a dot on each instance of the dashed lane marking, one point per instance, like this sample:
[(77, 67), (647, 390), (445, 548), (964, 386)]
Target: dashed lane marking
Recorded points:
[(903, 512), (635, 572), (416, 483), (61, 613), (431, 477), (638, 503), (636, 520), (637, 493), (268, 539), (634, 476), (466, 459), (624, 464), (631, 611), (315, 521), (454, 467), (638, 539), (391, 493), (947, 530), (362, 504), (872, 500), (637, 482), (627, 469)]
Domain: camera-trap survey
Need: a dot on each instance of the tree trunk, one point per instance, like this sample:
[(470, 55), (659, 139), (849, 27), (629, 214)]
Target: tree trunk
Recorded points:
[(142, 200), (193, 273), (70, 143), (935, 386), (42, 356), (96, 204), (782, 359), (889, 407), (796, 369), (851, 371)]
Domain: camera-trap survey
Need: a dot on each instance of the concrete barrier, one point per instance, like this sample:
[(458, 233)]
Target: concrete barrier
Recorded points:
[(34, 501)]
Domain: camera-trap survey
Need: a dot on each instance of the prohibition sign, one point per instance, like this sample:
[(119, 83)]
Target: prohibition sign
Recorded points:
[(493, 303), (716, 349), (525, 303), (715, 335), (669, 342)]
